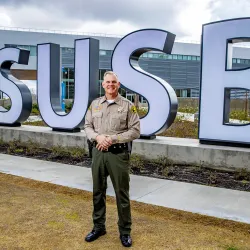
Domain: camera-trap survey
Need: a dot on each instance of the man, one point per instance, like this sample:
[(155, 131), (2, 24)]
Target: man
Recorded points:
[(111, 124)]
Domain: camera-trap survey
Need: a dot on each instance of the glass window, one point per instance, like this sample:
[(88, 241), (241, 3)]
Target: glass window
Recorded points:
[(165, 56), (64, 73), (175, 57), (161, 56), (185, 57), (102, 52), (198, 58), (184, 93), (33, 50), (150, 55), (234, 60), (101, 74), (144, 55), (71, 73), (238, 60), (170, 57), (10, 46), (67, 50), (193, 58), (189, 58), (155, 55), (178, 93), (179, 57)]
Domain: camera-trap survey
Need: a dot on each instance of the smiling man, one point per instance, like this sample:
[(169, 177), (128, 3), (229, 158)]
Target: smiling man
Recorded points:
[(111, 124)]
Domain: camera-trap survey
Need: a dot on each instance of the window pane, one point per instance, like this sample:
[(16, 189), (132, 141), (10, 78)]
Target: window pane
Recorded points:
[(189, 58), (198, 58), (184, 93), (33, 50), (161, 56), (65, 73), (108, 52), (174, 56), (170, 57), (238, 60), (179, 57), (155, 55), (150, 55), (234, 60), (185, 57), (193, 58), (102, 53), (71, 73)]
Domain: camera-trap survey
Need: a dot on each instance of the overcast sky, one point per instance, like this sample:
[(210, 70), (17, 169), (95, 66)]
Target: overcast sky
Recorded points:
[(181, 17)]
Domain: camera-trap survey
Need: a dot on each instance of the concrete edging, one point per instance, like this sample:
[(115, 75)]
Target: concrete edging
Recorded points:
[(179, 150)]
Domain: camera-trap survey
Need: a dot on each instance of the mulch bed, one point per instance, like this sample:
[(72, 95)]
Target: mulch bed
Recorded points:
[(237, 180)]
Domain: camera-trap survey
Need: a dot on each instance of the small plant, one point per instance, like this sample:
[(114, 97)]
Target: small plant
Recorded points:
[(32, 148), (77, 153), (182, 129), (59, 151), (136, 161), (36, 123), (212, 178), (73, 216), (239, 115), (242, 174), (167, 171), (8, 107), (188, 109), (68, 107), (232, 248), (13, 146), (35, 109), (163, 162)]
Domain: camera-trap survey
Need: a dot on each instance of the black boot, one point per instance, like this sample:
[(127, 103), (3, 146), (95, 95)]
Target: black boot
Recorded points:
[(126, 240), (95, 234)]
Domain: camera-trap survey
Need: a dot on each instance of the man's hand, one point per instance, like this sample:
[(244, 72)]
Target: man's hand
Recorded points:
[(103, 142)]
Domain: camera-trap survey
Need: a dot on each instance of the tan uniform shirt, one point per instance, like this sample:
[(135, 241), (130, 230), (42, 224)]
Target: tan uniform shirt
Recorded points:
[(120, 120)]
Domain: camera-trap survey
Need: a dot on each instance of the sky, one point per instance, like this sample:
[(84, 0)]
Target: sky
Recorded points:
[(120, 17)]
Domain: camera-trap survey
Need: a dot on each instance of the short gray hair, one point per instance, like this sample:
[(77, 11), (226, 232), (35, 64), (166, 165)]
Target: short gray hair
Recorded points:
[(111, 73)]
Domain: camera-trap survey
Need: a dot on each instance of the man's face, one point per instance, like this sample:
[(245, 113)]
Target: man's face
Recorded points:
[(111, 84)]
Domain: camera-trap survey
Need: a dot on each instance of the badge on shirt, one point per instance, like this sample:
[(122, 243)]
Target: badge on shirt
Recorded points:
[(97, 108), (133, 109)]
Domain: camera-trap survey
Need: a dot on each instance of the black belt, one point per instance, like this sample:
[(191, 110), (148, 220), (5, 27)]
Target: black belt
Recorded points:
[(115, 148)]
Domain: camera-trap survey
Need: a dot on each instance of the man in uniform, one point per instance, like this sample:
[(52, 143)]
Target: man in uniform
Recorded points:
[(111, 124)]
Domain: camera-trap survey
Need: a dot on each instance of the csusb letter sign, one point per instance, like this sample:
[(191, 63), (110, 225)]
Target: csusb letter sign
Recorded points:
[(217, 79)]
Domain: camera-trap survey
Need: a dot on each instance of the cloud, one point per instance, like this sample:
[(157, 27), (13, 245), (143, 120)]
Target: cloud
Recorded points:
[(183, 17), (110, 16), (5, 18)]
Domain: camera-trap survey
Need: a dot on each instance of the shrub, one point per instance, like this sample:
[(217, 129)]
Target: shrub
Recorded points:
[(187, 109)]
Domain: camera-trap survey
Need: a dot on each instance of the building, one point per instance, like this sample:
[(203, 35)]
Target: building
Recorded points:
[(181, 69)]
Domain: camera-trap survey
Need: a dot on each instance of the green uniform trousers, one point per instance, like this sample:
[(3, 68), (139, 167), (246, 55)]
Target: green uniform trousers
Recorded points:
[(117, 166)]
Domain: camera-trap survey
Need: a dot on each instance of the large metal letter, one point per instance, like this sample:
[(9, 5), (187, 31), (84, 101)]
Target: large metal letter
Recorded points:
[(18, 92), (218, 78), (160, 95), (86, 83)]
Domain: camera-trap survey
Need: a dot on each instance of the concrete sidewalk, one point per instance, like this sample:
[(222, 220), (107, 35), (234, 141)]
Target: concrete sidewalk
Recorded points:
[(218, 202)]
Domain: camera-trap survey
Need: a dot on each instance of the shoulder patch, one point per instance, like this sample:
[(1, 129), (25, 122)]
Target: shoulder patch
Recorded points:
[(133, 109)]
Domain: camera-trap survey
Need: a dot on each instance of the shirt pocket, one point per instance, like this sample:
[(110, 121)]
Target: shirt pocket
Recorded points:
[(119, 121), (97, 120)]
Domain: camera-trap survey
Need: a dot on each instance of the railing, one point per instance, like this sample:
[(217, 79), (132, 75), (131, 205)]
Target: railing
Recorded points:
[(97, 34), (80, 33), (60, 32)]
